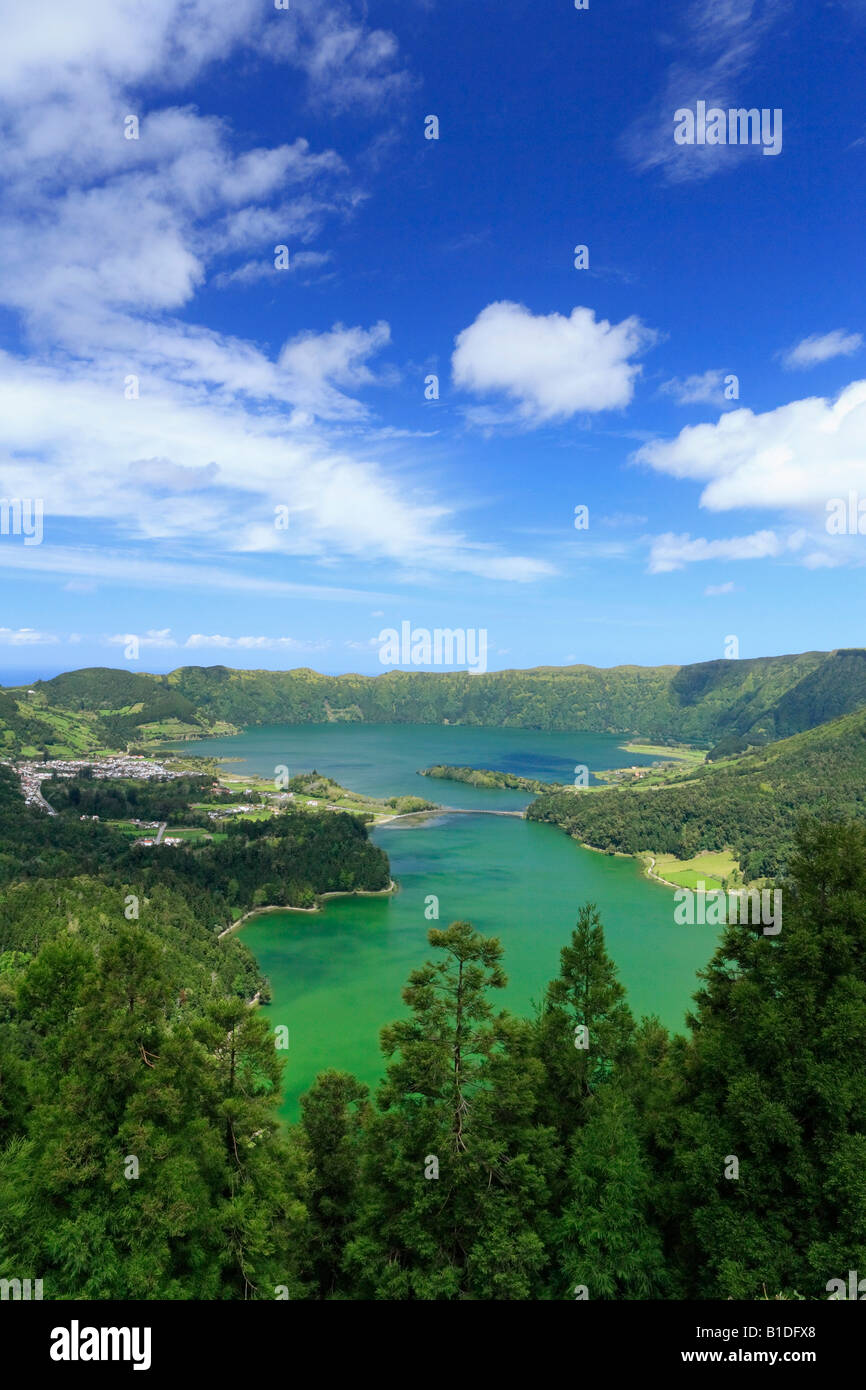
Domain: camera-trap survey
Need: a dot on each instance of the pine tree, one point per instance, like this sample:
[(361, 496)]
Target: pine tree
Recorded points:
[(770, 1146), (607, 1245), (584, 1028), (332, 1114), (455, 1176), (152, 1166)]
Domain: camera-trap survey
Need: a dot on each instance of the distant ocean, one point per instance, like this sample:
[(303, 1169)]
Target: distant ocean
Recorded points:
[(9, 676)]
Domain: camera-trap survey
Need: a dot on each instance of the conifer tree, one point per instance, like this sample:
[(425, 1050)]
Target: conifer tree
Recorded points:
[(584, 1028), (770, 1147), (455, 1176), (151, 1166), (607, 1245), (332, 1113)]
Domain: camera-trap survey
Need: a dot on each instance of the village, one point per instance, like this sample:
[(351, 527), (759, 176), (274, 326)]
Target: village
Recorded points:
[(32, 774), (135, 765), (232, 795)]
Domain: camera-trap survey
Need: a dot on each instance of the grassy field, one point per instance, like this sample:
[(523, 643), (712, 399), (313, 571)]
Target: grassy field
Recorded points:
[(126, 828), (711, 869), (193, 833), (680, 753)]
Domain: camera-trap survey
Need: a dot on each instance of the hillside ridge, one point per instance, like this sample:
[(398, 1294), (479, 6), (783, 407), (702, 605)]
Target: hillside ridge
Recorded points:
[(749, 701)]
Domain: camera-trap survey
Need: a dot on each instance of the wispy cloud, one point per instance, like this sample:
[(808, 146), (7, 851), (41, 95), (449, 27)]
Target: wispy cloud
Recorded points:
[(129, 569), (105, 242), (154, 637), (702, 388), (26, 637), (717, 44), (245, 643), (821, 347), (163, 638), (674, 552), (301, 263)]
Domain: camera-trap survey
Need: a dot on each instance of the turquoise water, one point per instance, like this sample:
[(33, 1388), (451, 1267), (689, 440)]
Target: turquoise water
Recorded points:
[(385, 759), (336, 975)]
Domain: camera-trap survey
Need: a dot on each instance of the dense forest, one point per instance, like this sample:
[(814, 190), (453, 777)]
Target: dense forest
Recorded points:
[(488, 777), (579, 1153), (286, 860), (752, 804), (750, 702), (698, 703), (118, 798)]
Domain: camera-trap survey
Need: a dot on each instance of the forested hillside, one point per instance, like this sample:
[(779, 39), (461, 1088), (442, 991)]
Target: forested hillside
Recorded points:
[(753, 803), (285, 860), (499, 1159), (697, 703), (84, 712), (744, 702)]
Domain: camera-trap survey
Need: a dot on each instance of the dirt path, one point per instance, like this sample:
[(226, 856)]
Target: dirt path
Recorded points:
[(649, 870)]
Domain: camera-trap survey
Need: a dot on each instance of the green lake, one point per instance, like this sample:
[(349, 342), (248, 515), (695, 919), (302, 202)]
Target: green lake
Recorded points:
[(336, 975)]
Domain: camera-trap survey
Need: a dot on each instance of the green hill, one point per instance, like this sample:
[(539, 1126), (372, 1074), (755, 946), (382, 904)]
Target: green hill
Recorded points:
[(752, 804), (761, 698), (83, 712), (732, 703)]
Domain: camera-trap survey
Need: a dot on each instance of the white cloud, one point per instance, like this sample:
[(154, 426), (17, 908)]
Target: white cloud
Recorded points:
[(152, 638), (162, 638), (348, 66), (714, 590), (104, 241), (25, 637), (252, 271), (317, 363), (715, 43), (821, 348), (132, 570), (551, 366), (623, 519), (792, 458), (704, 388), (273, 644), (673, 552), (57, 48), (819, 559), (88, 439), (228, 431)]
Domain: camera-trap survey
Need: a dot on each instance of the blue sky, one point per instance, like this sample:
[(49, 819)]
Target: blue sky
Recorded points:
[(301, 391)]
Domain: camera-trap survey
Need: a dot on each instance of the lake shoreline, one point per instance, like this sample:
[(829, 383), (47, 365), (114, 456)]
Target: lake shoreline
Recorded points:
[(320, 897), (336, 974), (640, 857)]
